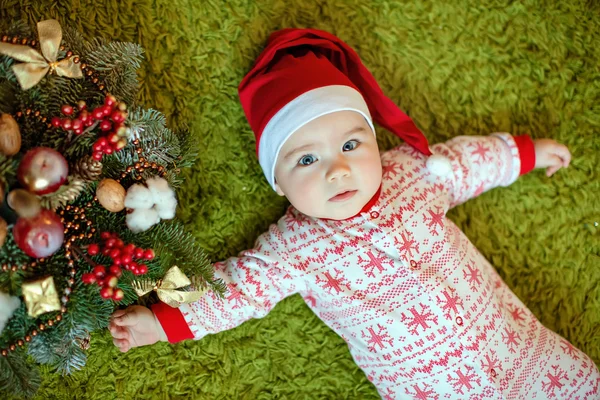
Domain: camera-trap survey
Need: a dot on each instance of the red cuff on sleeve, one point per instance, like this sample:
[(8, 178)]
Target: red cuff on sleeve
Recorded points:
[(172, 322), (526, 153)]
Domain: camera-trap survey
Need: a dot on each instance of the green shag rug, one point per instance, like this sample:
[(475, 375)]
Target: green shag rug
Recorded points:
[(458, 68)]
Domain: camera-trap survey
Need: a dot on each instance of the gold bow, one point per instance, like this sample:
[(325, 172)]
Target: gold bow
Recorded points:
[(166, 288), (36, 65)]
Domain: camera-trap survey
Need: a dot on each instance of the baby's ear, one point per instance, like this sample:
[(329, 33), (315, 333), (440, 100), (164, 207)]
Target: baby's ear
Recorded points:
[(278, 190)]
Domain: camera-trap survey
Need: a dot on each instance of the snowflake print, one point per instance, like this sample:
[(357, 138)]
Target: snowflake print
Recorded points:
[(480, 150), (473, 276), (331, 283), (391, 169), (424, 393), (517, 314), (491, 364), (373, 264), (418, 319), (464, 380), (511, 339), (407, 246), (236, 296), (292, 221), (569, 349), (554, 381), (379, 338), (450, 302), (434, 219)]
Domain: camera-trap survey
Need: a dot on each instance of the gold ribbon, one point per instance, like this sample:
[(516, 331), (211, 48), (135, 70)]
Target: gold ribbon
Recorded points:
[(166, 288), (35, 65)]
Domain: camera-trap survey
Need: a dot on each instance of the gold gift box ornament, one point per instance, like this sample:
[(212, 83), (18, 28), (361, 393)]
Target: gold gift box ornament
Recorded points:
[(40, 296)]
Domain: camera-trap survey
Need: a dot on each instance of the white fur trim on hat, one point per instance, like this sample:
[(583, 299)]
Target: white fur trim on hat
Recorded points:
[(300, 111)]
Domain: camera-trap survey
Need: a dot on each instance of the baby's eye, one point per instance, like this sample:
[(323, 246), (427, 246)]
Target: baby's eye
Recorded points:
[(350, 145), (307, 160)]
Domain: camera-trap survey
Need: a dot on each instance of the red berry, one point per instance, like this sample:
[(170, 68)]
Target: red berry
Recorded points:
[(116, 271), (99, 271), (77, 124), (98, 113), (108, 151), (105, 125), (78, 131), (142, 269), (118, 295), (110, 100), (125, 258), (114, 254), (106, 110), (129, 248), (105, 235), (81, 105), (149, 254), (111, 281), (67, 124), (100, 282), (84, 116), (119, 243), (133, 266), (103, 141), (88, 278), (56, 122), (139, 253), (106, 292), (97, 146), (93, 249), (118, 116), (110, 242), (97, 156), (89, 122), (66, 109)]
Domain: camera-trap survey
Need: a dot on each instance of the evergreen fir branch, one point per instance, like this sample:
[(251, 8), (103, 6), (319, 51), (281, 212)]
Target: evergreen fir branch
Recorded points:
[(190, 148), (17, 376), (178, 247)]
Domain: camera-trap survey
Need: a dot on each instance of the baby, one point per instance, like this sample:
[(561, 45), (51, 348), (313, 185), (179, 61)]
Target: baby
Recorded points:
[(367, 243)]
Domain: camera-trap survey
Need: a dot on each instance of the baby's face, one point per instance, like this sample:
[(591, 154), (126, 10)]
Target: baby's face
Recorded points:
[(331, 167)]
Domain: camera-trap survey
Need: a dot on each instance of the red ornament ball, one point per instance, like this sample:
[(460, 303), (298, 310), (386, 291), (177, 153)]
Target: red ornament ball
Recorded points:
[(43, 170), (39, 236)]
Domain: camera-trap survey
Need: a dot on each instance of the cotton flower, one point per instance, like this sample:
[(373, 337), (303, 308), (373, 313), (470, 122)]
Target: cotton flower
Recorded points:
[(8, 305), (148, 204)]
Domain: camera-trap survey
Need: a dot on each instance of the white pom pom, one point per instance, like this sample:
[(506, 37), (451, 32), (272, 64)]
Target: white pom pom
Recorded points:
[(140, 220), (139, 196), (439, 165), (8, 305)]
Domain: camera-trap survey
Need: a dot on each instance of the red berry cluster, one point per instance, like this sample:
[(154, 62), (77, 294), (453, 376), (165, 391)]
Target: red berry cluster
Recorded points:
[(123, 256), (110, 117)]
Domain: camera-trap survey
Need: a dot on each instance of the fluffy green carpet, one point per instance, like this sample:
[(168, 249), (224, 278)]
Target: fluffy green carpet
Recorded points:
[(456, 67)]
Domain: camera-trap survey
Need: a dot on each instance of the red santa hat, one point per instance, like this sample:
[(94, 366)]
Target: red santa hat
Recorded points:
[(306, 73)]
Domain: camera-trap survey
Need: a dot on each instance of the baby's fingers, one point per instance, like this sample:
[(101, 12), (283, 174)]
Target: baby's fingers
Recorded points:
[(119, 333), (564, 154), (122, 344)]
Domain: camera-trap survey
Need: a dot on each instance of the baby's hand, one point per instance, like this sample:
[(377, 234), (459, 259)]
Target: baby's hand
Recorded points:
[(135, 326), (551, 155)]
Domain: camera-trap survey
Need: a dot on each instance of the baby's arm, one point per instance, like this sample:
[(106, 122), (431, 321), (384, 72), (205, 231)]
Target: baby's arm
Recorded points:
[(481, 163), (256, 281)]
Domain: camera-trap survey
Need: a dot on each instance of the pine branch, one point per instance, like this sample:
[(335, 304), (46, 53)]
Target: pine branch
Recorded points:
[(17, 377), (178, 247)]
